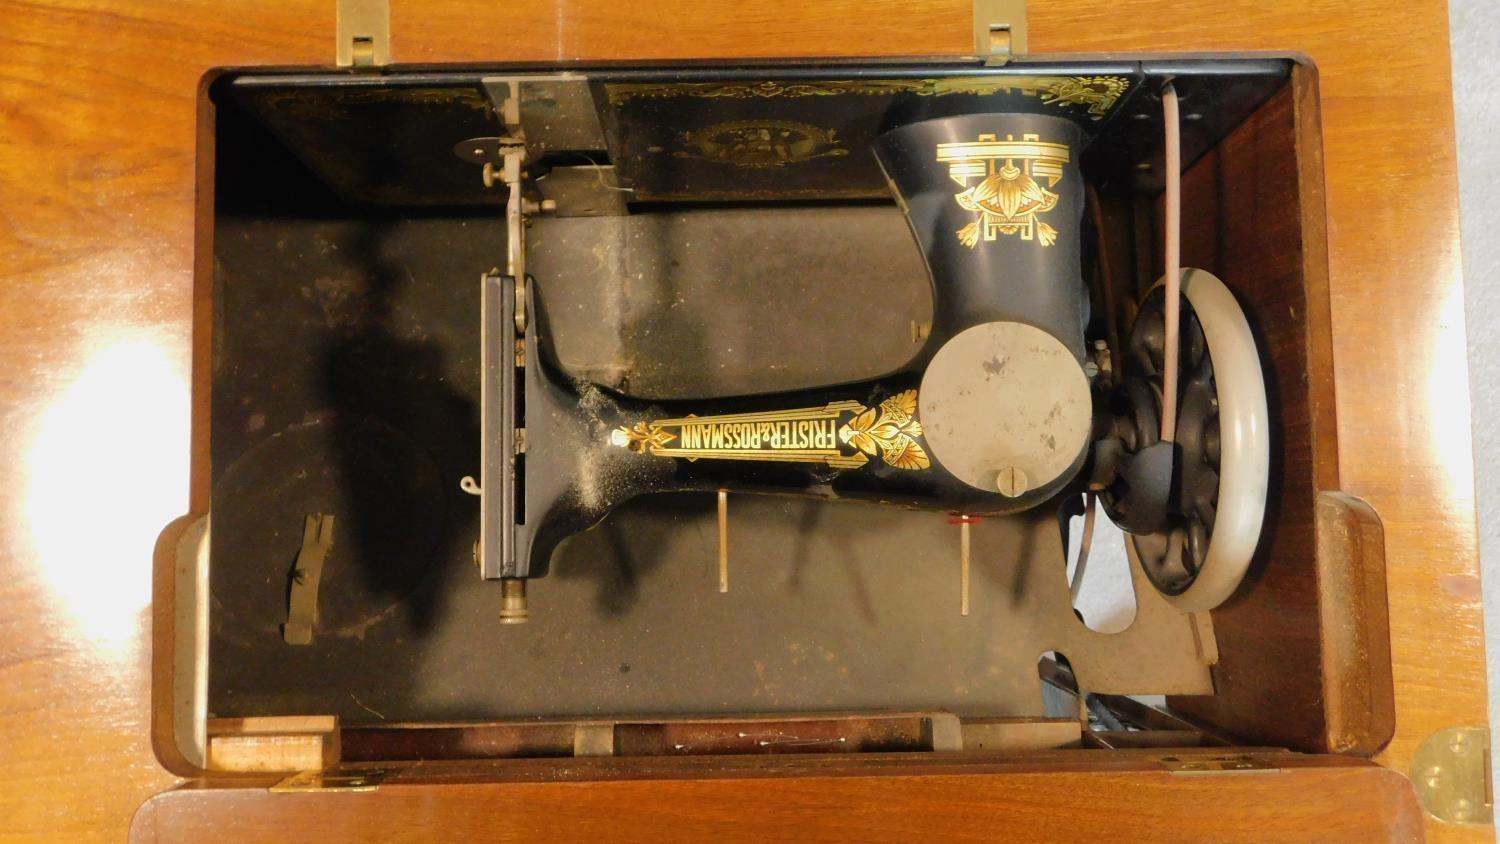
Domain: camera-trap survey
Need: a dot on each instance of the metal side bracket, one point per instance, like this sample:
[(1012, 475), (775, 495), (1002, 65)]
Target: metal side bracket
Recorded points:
[(999, 30), (497, 500), (503, 325), (364, 33)]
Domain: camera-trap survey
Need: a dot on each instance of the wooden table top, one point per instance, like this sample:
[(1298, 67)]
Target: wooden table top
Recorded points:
[(97, 116)]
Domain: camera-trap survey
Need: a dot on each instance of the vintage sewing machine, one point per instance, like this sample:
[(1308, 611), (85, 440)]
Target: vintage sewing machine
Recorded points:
[(549, 321), (994, 414)]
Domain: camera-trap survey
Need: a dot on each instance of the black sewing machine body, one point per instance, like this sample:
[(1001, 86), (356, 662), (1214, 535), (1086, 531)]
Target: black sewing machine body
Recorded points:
[(589, 449)]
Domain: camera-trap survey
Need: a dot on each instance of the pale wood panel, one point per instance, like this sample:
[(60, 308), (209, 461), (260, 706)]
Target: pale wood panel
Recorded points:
[(96, 188), (1354, 804)]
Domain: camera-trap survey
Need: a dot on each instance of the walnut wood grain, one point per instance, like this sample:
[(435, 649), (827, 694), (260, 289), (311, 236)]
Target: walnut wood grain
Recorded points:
[(1255, 217), (96, 219)]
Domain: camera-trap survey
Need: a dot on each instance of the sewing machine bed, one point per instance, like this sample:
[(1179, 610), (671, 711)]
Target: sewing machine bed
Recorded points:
[(349, 386), (346, 381)]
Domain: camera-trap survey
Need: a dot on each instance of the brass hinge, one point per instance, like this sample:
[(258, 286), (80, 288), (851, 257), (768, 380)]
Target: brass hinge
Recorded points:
[(999, 30), (364, 33), (1451, 771), (334, 780), (1205, 765)]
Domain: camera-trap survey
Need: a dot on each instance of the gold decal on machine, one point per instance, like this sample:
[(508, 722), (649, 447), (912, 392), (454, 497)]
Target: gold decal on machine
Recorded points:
[(805, 435), (1098, 93), (893, 432), (761, 143), (1009, 197)]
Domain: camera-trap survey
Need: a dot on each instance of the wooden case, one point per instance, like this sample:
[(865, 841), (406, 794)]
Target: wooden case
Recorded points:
[(1295, 667)]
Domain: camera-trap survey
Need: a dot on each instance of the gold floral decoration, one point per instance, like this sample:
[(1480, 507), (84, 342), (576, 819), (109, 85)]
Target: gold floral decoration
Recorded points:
[(761, 143), (641, 437), (891, 429), (1099, 93), (1007, 200), (1010, 196)]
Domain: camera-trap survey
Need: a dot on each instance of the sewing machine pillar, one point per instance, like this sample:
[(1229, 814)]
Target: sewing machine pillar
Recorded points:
[(995, 201), (996, 204)]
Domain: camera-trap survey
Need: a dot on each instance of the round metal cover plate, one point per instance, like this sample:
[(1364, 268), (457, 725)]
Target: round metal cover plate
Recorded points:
[(1002, 397)]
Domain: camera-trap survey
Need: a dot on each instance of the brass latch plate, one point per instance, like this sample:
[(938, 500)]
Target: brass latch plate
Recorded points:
[(364, 33), (999, 30)]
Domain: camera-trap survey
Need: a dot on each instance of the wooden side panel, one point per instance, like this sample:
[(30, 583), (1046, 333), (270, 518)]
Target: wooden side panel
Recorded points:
[(1359, 697), (1139, 802), (1304, 647), (1247, 211)]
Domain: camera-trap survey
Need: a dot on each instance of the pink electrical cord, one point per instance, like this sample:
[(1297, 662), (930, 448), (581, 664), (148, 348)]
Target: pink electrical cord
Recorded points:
[(1173, 285), (1173, 225)]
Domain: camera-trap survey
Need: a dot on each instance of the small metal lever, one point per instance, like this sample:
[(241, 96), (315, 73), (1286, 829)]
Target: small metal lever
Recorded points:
[(723, 540), (307, 572)]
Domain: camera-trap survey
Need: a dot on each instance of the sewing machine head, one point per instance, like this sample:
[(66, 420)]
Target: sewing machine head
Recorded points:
[(1020, 393), (1005, 406)]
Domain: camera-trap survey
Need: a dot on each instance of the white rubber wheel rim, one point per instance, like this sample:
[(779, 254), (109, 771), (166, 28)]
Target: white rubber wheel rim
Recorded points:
[(1244, 443)]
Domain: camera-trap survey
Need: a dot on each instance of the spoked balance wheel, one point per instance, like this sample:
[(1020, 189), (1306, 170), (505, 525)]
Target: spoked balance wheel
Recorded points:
[(1196, 541)]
